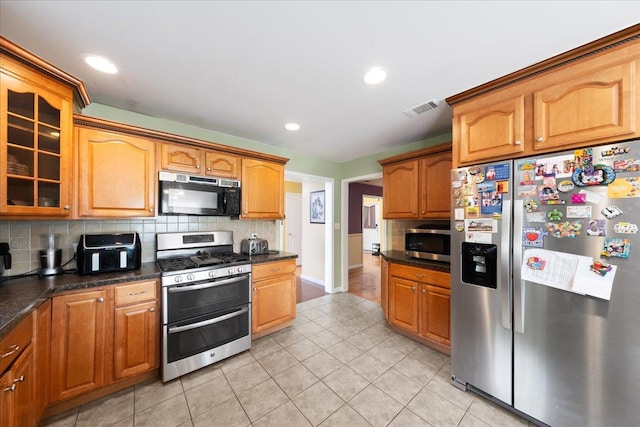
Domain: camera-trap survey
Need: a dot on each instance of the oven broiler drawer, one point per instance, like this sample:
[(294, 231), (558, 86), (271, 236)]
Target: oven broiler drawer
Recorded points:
[(198, 342)]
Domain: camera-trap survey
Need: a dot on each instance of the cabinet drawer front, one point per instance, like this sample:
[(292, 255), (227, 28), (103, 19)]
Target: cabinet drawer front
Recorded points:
[(135, 292), (269, 269), (17, 340), (423, 275)]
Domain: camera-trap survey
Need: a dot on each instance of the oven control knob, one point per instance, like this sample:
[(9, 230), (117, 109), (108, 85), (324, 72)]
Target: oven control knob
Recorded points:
[(240, 269), (190, 276), (231, 271), (212, 273), (178, 279)]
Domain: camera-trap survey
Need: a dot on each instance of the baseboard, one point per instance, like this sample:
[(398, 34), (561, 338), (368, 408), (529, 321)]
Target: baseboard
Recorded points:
[(351, 267), (312, 280)]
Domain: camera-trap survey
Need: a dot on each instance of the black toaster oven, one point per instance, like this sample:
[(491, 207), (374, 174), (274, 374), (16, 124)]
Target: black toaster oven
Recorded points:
[(104, 253)]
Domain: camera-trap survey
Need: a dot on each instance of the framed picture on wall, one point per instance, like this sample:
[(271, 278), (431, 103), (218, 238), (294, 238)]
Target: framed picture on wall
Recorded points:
[(316, 207)]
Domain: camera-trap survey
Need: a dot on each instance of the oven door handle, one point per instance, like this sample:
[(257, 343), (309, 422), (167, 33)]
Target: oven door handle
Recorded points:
[(176, 329), (175, 289)]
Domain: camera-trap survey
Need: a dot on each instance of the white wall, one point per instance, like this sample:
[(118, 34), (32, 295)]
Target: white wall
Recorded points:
[(313, 241)]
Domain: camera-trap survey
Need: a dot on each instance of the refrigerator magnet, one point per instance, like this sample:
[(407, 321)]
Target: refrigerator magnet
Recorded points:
[(600, 268), (564, 229), (555, 215), (624, 188), (625, 228), (626, 165), (539, 216), (596, 227), (579, 198), (565, 186), (616, 248), (531, 206), (611, 212), (533, 237), (593, 175), (581, 211), (459, 225)]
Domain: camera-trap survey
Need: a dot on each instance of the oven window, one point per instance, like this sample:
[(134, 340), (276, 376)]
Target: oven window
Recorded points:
[(186, 339), (195, 299)]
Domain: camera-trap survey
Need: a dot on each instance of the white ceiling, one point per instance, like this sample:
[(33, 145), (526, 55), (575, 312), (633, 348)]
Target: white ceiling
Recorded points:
[(246, 68)]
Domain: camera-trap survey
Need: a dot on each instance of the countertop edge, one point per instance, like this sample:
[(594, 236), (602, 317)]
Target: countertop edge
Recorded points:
[(401, 258)]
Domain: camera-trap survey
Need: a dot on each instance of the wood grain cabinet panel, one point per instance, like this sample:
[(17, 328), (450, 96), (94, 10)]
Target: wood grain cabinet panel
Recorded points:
[(117, 175), (273, 302), (198, 161), (262, 189), (136, 339), (79, 345), (400, 190), (17, 391), (435, 313), (435, 190), (403, 303)]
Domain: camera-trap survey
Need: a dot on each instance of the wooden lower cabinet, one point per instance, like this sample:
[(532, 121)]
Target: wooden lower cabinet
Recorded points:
[(79, 346), (102, 336), (41, 356), (17, 388), (419, 303), (273, 303), (384, 287)]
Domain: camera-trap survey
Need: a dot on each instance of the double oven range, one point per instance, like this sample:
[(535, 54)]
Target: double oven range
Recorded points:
[(206, 300)]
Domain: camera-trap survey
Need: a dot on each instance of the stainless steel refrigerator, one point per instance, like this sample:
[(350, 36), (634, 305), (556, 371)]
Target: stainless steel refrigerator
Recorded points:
[(545, 284)]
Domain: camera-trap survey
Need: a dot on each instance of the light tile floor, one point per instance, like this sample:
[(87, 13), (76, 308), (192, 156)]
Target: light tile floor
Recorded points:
[(338, 365)]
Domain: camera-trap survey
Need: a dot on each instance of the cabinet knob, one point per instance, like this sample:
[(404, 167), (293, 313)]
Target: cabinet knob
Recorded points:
[(11, 388), (424, 291), (100, 299), (413, 288), (66, 207), (255, 289), (419, 275), (152, 309), (151, 209), (518, 142), (197, 166), (539, 139), (209, 169)]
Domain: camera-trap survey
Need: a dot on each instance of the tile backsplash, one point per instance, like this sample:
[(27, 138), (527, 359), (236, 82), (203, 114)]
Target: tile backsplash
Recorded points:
[(25, 237)]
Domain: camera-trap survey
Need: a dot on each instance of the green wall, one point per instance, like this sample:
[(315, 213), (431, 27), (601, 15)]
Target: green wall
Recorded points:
[(298, 162)]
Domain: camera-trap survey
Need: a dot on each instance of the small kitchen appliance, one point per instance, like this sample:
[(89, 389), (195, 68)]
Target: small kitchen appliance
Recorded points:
[(254, 246), (51, 256), (5, 258), (206, 300), (103, 253)]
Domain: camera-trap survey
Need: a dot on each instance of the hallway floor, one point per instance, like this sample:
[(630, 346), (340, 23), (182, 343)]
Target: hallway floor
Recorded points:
[(338, 365), (365, 281)]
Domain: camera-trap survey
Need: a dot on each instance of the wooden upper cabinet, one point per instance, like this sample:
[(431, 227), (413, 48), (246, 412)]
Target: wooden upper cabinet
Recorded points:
[(400, 190), (489, 127), (116, 174), (588, 96), (195, 160), (434, 186), (597, 105), (416, 184), (262, 189)]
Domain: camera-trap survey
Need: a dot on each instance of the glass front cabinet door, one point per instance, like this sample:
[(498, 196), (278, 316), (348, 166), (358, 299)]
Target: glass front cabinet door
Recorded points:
[(35, 146)]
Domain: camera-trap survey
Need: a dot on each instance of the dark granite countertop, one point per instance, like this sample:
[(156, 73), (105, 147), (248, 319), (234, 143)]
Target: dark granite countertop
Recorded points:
[(401, 258), (18, 297)]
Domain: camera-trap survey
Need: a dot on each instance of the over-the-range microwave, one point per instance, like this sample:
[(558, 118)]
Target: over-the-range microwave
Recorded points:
[(430, 241), (196, 195)]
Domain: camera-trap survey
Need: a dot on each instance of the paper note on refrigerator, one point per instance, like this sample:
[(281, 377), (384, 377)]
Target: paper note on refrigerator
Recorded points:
[(572, 273)]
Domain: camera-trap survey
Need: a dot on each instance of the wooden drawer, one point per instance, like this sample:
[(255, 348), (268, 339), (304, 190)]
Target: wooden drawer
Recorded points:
[(270, 269), (423, 275), (135, 292), (17, 340)]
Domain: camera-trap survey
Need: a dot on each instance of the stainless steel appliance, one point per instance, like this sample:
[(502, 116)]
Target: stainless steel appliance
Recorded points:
[(196, 195), (51, 256), (103, 253), (254, 246), (429, 241), (544, 284), (5, 257), (206, 300)]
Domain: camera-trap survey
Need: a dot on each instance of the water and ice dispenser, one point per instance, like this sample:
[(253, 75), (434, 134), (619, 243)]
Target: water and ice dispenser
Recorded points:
[(480, 264)]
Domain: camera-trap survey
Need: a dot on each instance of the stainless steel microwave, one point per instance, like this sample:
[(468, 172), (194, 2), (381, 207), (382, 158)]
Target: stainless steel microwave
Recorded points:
[(429, 241), (196, 195)]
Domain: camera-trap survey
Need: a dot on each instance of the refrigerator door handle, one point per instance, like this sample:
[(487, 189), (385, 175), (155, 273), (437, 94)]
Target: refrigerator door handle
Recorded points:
[(518, 286), (505, 288)]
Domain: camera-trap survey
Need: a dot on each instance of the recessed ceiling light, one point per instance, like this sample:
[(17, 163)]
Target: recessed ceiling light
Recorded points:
[(101, 64), (375, 75), (292, 127)]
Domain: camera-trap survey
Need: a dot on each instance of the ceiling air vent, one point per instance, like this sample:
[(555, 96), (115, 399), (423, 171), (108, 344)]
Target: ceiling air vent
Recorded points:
[(419, 109)]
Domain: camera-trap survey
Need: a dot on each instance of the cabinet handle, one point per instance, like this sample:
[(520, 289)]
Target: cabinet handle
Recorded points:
[(275, 270), (539, 139), (19, 380), (11, 388), (255, 289), (100, 299), (419, 275), (517, 142), (12, 349), (66, 207), (152, 309), (136, 293)]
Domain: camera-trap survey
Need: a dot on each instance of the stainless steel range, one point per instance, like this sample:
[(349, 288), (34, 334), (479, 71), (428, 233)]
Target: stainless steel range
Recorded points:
[(206, 300)]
